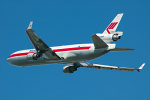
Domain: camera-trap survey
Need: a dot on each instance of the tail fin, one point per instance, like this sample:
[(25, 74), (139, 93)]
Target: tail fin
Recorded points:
[(113, 25)]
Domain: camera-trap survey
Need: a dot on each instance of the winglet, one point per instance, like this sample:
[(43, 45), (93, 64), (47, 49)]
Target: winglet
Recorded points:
[(30, 25), (141, 67)]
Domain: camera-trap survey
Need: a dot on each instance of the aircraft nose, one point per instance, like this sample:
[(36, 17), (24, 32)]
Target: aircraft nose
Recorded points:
[(10, 61), (13, 61)]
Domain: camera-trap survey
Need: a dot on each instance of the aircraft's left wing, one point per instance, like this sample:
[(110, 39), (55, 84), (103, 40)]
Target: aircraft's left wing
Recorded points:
[(107, 67), (39, 45)]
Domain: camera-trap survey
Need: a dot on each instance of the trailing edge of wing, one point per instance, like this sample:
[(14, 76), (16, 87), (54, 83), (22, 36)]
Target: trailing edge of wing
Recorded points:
[(98, 43), (39, 45), (107, 67)]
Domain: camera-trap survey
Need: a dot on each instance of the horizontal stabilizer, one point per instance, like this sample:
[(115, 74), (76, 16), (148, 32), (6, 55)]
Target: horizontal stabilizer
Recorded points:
[(98, 42), (121, 49)]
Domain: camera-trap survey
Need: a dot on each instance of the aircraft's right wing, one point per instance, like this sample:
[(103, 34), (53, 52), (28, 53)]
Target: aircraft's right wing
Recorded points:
[(39, 45), (107, 67)]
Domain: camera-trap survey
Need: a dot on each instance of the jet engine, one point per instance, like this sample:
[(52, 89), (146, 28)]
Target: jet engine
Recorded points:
[(32, 56), (114, 36), (69, 69)]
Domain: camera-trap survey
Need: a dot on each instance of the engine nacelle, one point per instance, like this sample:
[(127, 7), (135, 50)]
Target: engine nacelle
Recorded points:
[(69, 69), (32, 56), (115, 37), (110, 37)]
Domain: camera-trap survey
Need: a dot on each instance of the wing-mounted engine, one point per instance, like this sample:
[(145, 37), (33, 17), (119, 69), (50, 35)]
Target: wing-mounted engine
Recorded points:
[(33, 56), (69, 69), (114, 36)]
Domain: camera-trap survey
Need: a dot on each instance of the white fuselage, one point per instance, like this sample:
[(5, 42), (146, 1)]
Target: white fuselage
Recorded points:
[(72, 55), (68, 53)]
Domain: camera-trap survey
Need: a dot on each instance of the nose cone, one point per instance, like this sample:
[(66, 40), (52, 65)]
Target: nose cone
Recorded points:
[(13, 61), (9, 60)]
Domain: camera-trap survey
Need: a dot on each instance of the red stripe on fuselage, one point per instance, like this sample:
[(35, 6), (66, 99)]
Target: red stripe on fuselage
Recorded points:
[(19, 54), (71, 49), (56, 50)]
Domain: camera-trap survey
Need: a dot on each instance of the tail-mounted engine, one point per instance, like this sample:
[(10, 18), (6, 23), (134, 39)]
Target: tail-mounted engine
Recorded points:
[(69, 69), (114, 36)]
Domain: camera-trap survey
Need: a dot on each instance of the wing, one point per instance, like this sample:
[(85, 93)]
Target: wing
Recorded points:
[(39, 45), (107, 67)]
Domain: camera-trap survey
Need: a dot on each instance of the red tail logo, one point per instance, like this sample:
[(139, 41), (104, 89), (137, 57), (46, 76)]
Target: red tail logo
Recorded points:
[(111, 26)]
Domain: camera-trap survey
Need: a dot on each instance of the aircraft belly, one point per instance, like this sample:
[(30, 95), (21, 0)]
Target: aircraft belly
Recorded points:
[(23, 61)]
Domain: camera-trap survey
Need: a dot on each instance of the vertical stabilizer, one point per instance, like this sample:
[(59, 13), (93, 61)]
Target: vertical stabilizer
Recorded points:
[(113, 25)]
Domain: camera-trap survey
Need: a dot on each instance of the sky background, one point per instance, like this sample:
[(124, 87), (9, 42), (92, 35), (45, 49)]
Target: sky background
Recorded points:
[(63, 22)]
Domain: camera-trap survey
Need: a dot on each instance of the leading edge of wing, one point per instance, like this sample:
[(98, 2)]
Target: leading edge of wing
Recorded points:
[(107, 67), (40, 46)]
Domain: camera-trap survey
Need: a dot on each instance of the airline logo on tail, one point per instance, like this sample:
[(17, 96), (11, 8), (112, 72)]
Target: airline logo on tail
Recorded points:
[(111, 26)]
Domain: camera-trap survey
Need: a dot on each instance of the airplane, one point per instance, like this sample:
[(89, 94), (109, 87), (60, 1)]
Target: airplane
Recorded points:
[(74, 56)]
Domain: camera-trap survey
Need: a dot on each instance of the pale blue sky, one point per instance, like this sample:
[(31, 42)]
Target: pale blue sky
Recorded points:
[(60, 22)]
